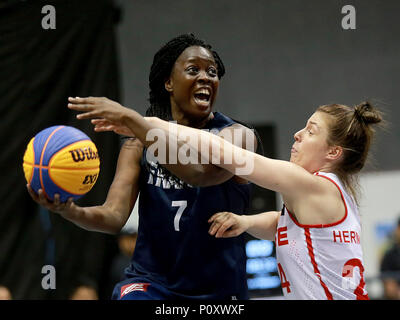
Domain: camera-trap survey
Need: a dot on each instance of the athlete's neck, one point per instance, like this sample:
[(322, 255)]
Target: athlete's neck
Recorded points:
[(183, 119)]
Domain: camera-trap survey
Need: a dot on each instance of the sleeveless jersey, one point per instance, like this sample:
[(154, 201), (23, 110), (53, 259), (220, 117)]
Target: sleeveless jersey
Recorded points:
[(321, 261), (173, 247)]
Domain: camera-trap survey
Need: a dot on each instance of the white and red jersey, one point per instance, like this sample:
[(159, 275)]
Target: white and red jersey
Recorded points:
[(321, 261)]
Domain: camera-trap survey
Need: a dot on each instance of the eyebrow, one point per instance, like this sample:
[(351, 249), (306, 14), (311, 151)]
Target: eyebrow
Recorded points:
[(194, 59), (315, 124)]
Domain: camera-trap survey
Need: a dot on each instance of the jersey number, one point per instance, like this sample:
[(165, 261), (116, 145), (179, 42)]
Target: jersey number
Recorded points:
[(284, 282), (181, 207), (348, 270)]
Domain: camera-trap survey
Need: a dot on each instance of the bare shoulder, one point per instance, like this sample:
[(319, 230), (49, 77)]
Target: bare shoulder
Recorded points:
[(324, 205)]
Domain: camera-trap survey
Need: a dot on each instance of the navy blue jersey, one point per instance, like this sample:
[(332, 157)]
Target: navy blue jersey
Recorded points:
[(173, 247)]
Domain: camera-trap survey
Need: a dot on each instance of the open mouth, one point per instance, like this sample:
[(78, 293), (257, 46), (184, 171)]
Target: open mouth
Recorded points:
[(202, 97)]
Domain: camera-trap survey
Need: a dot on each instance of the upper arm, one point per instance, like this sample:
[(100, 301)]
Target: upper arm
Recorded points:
[(312, 199), (287, 178), (124, 189)]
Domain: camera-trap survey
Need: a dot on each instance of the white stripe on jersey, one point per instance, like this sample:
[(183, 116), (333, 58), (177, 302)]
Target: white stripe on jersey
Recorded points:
[(321, 261)]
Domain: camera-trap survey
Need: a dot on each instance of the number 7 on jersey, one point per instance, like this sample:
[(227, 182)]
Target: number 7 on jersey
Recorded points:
[(182, 204)]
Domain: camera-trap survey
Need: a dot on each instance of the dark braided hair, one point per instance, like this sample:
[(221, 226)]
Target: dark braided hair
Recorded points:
[(161, 68)]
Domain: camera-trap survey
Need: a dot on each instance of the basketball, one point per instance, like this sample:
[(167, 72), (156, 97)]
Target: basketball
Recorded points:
[(63, 160)]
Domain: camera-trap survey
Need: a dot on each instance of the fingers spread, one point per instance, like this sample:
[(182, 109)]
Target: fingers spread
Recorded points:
[(78, 100), (81, 107), (99, 121), (85, 105), (87, 115)]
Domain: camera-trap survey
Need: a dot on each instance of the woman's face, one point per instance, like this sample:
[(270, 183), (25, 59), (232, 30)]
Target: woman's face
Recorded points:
[(311, 150), (193, 83)]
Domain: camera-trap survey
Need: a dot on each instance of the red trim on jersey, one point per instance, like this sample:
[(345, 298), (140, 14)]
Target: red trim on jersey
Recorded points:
[(322, 225), (314, 263)]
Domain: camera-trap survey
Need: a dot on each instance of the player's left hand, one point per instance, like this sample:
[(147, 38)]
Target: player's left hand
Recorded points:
[(106, 115), (227, 224)]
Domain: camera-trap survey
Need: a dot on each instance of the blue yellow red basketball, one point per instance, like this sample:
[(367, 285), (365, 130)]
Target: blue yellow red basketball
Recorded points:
[(63, 160)]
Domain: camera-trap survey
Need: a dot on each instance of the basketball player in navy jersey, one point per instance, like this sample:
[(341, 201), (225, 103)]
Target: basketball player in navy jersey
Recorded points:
[(175, 257)]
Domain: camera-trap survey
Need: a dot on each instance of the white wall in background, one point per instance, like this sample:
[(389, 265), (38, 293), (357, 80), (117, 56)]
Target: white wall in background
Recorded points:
[(379, 209)]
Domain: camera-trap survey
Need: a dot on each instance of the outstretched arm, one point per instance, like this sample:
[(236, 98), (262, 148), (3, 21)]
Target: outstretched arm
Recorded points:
[(109, 115), (285, 177)]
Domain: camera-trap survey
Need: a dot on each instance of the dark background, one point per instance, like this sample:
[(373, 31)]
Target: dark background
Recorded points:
[(40, 69), (283, 59)]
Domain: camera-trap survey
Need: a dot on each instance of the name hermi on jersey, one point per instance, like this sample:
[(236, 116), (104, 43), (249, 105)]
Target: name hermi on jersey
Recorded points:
[(321, 262)]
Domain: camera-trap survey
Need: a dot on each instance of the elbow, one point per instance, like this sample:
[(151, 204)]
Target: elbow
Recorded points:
[(109, 229), (117, 226), (113, 229), (113, 220)]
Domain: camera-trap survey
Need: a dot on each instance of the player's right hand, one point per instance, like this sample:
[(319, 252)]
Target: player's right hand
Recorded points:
[(55, 206)]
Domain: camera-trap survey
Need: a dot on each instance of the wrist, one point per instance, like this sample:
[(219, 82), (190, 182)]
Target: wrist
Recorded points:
[(127, 116), (247, 222), (70, 211)]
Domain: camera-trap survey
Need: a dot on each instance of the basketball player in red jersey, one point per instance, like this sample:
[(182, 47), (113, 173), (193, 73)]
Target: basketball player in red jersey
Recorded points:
[(317, 233)]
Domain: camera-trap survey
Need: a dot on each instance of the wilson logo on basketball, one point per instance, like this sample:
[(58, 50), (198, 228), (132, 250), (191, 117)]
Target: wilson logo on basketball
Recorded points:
[(83, 154)]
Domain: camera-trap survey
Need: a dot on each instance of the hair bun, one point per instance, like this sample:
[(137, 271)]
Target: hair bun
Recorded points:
[(367, 113)]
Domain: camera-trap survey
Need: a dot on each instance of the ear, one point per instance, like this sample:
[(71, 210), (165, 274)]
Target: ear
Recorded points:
[(168, 85), (334, 152)]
